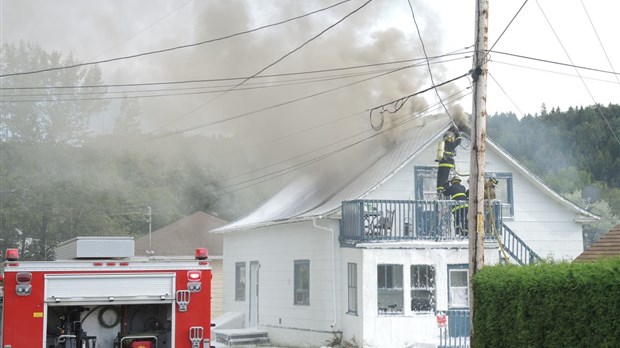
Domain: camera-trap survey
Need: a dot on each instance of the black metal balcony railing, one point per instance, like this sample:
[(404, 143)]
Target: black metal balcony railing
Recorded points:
[(393, 220)]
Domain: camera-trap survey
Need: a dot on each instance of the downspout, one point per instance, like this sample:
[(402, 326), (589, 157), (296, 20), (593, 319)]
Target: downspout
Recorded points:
[(333, 324)]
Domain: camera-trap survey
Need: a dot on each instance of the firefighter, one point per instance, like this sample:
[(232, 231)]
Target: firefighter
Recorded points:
[(445, 156), (490, 213), (489, 187), (459, 193)]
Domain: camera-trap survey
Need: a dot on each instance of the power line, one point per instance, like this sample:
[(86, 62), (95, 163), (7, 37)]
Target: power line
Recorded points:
[(507, 26), (581, 78), (181, 131), (128, 94), (506, 94), (177, 47), (278, 173), (269, 65), (430, 72), (549, 71), (225, 79), (599, 39), (427, 109), (571, 65), (145, 28)]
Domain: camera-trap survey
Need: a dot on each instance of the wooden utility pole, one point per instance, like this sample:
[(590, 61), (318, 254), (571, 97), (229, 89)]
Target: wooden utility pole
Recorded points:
[(478, 148)]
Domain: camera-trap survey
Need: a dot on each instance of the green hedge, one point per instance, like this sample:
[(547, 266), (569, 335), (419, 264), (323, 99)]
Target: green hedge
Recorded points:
[(548, 305)]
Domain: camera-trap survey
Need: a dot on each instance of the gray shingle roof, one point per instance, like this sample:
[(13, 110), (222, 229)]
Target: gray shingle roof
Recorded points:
[(184, 236), (309, 197), (607, 246)]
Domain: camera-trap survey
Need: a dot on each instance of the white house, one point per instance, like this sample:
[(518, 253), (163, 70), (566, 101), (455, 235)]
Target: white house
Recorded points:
[(316, 263)]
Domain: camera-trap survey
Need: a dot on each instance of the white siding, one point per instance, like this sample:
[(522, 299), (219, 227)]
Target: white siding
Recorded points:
[(409, 328), (217, 288), (545, 225), (276, 248)]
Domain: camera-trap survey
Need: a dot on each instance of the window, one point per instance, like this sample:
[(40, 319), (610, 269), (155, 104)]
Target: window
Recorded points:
[(503, 193), (422, 288), (425, 183), (240, 281), (390, 289), (352, 288), (302, 282), (458, 296)]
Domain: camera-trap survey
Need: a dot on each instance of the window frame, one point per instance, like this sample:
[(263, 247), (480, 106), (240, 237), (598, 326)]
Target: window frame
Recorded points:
[(240, 287), (506, 190), (458, 268), (351, 288), (301, 286), (430, 285), (392, 278)]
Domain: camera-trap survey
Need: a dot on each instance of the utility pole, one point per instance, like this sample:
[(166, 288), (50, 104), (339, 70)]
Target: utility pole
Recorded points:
[(478, 148), (150, 213)]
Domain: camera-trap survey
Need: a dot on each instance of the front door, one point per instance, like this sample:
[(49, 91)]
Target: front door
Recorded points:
[(253, 311)]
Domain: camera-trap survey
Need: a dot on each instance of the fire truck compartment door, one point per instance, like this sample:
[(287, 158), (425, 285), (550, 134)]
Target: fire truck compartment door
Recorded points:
[(110, 288)]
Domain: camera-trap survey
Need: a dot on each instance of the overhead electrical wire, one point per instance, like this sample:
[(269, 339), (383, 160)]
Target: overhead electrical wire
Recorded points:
[(399, 103), (597, 105), (571, 65), (506, 94), (269, 176), (307, 72), (145, 28), (427, 109), (548, 71), (430, 72), (245, 114), (268, 66), (129, 94), (506, 28), (599, 40), (176, 47)]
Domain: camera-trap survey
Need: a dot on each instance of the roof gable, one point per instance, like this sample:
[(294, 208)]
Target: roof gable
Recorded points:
[(304, 199), (184, 236)]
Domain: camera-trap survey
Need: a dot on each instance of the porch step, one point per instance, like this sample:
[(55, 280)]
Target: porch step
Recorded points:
[(241, 337)]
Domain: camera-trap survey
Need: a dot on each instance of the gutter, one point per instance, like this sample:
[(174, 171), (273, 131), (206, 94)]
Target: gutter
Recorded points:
[(333, 324)]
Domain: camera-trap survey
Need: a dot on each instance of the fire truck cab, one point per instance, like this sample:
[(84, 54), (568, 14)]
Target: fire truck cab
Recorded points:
[(98, 294)]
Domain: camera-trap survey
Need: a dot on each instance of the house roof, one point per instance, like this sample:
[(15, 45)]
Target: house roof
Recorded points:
[(184, 236), (306, 199), (606, 246)]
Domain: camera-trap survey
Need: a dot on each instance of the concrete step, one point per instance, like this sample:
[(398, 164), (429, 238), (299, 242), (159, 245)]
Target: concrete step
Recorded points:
[(241, 337)]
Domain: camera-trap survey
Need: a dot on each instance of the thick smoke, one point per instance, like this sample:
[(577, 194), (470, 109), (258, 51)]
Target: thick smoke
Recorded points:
[(309, 128)]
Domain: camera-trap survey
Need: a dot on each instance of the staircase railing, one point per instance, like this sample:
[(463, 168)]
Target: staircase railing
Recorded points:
[(516, 247)]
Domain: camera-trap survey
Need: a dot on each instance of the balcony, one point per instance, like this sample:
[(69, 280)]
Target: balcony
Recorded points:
[(398, 220)]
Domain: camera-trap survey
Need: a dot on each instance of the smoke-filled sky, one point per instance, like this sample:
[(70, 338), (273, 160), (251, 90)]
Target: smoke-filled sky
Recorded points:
[(288, 105)]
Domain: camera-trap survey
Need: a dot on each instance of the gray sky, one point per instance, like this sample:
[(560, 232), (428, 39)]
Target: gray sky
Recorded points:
[(382, 31)]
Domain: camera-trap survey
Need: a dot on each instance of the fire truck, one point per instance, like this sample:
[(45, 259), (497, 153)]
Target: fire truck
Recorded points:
[(98, 294)]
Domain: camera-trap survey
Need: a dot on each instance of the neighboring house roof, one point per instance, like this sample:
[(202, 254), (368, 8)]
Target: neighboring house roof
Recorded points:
[(306, 199), (184, 236), (607, 246)]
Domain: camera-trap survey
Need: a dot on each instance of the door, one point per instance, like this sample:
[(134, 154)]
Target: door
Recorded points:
[(253, 311)]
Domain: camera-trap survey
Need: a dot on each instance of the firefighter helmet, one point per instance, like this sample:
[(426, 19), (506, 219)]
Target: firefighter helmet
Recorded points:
[(455, 179), (448, 136), (493, 179)]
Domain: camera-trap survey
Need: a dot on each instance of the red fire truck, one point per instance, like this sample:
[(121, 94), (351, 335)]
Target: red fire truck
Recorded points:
[(97, 294)]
